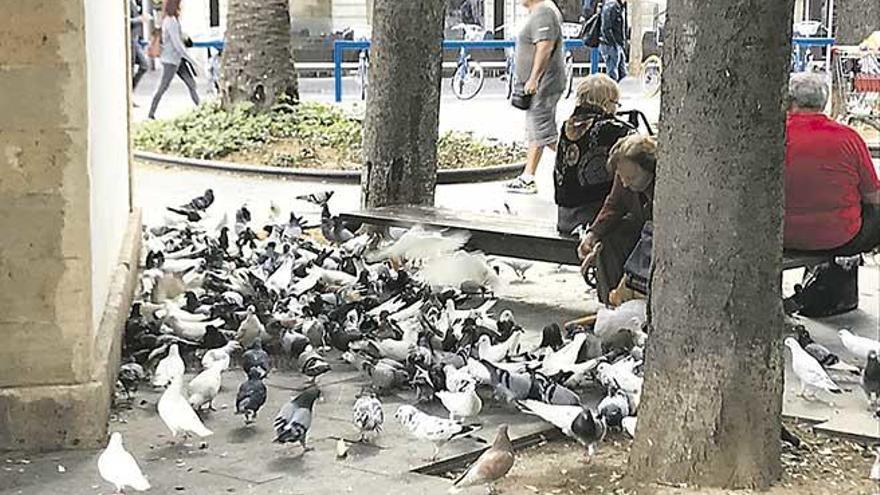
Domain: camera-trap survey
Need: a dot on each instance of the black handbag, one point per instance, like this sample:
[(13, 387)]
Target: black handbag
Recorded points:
[(521, 100), (638, 265), (593, 28)]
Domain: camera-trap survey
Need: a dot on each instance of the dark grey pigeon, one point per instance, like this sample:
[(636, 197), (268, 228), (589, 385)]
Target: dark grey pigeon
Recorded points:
[(818, 351), (295, 418), (871, 378), (255, 357), (251, 395), (509, 387)]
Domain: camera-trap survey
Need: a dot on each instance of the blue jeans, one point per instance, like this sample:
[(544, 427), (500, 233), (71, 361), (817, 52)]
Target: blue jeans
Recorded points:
[(615, 61)]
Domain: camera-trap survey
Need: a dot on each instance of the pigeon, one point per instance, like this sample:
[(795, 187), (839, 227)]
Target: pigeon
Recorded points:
[(200, 203), (130, 375), (575, 422), (319, 198), (312, 364), (220, 356), (295, 418), (250, 329), (436, 430), (553, 393), (613, 408), (177, 414), (205, 387), (464, 404), (367, 414), (169, 367), (871, 379), (566, 356), (509, 387), (119, 468), (818, 351), (788, 437), (255, 357), (875, 468), (551, 337), (420, 244), (809, 371), (492, 464), (496, 353), (858, 346), (251, 396), (629, 425)]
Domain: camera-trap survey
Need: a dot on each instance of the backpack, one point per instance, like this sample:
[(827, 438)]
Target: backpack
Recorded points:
[(638, 266), (828, 289)]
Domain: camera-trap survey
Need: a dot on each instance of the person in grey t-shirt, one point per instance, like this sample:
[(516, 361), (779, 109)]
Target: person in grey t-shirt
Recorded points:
[(540, 71)]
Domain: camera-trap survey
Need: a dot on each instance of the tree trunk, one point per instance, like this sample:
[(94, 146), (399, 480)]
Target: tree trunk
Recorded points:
[(855, 20), (712, 400), (257, 64), (403, 103)]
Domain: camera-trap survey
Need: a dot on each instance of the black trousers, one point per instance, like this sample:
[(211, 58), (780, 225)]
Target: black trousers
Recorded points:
[(617, 245)]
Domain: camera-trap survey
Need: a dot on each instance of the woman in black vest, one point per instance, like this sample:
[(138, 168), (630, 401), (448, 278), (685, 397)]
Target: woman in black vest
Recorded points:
[(580, 176)]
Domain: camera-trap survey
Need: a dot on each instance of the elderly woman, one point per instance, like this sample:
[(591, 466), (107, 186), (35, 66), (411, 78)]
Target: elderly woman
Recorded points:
[(832, 194), (618, 225), (580, 177)]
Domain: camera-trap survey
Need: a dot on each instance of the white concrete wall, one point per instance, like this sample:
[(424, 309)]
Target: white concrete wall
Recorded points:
[(108, 155)]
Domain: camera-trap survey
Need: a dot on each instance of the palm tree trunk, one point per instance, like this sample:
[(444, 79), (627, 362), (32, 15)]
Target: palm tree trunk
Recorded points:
[(257, 62)]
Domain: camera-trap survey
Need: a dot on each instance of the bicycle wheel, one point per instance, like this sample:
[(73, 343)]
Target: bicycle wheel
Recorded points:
[(652, 71), (467, 81)]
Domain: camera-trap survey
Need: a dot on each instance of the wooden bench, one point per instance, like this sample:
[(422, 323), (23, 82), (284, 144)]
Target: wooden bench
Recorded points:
[(508, 235)]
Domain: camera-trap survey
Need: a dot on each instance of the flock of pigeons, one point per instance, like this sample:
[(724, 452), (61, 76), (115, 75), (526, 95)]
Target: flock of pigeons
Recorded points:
[(409, 309)]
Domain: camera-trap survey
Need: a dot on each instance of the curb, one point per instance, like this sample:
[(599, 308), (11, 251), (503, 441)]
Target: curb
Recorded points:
[(454, 176)]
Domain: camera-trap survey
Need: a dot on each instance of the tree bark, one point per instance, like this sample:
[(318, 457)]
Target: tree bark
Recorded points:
[(257, 64), (403, 103), (712, 400), (855, 20)]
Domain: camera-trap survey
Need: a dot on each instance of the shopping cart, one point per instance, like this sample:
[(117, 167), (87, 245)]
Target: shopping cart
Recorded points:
[(857, 86)]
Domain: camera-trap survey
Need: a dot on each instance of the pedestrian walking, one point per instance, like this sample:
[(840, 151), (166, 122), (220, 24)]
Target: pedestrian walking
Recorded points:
[(175, 59), (612, 38), (138, 59), (540, 72)]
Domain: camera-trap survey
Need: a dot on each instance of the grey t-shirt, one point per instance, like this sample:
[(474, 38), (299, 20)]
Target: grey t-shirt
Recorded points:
[(544, 23)]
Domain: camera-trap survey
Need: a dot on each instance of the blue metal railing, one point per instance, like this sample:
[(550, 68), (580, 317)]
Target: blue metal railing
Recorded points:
[(339, 46)]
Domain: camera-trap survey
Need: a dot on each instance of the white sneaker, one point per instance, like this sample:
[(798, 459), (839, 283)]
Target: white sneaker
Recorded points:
[(521, 186)]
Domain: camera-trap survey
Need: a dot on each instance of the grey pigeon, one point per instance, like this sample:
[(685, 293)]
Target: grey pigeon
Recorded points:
[(319, 198), (819, 352), (509, 387), (492, 464), (871, 378), (613, 408), (251, 396), (295, 418), (255, 357), (312, 364), (367, 414), (575, 422)]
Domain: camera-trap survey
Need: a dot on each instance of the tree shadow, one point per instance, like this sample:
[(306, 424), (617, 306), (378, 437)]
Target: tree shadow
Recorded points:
[(242, 434), (287, 463)]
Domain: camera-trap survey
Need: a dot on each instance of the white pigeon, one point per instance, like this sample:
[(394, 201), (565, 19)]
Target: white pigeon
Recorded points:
[(420, 244), (458, 269), (220, 355), (458, 379), (575, 422), (119, 468), (581, 373), (496, 353), (629, 424), (177, 414), (858, 346), (190, 330), (810, 373), (169, 367), (251, 329), (620, 374), (283, 275), (464, 404), (431, 428), (631, 314), (205, 387), (566, 356)]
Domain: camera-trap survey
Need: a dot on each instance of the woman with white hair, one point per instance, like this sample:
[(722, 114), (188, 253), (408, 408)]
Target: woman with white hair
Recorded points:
[(832, 194), (580, 176)]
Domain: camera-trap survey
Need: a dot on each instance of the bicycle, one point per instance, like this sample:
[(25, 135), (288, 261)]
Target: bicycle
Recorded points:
[(468, 78)]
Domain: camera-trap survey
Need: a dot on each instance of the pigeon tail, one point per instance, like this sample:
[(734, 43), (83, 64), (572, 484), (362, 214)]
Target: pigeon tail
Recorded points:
[(294, 433)]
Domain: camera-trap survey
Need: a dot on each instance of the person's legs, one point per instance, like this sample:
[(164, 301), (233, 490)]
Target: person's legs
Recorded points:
[(610, 57), (168, 71), (868, 236), (140, 60), (621, 63), (186, 75), (616, 248), (541, 131)]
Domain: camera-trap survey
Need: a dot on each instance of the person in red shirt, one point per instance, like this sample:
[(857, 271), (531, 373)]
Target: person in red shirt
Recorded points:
[(832, 194)]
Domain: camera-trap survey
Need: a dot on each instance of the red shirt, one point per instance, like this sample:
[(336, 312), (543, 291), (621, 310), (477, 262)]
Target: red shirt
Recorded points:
[(827, 170)]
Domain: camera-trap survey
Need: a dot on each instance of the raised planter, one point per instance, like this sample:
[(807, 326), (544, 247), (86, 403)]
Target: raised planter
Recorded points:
[(453, 176)]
